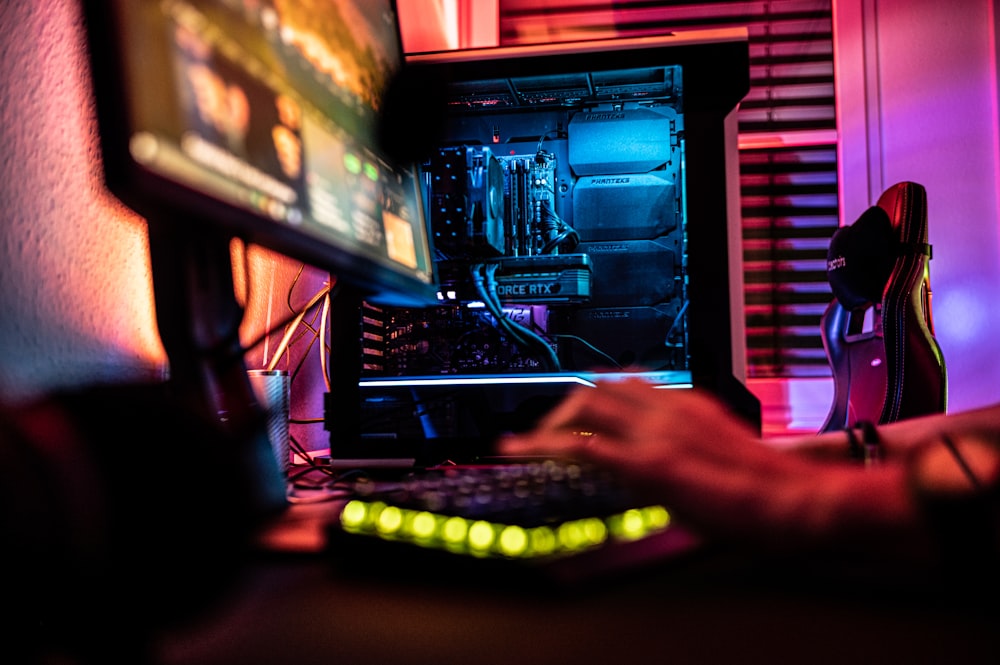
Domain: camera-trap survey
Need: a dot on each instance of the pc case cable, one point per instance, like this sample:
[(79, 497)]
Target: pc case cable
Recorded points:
[(483, 279)]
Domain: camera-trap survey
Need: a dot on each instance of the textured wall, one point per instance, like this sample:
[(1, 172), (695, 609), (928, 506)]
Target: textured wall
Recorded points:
[(75, 294)]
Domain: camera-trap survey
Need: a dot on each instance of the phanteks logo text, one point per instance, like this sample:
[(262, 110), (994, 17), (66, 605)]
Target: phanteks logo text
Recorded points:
[(604, 314)]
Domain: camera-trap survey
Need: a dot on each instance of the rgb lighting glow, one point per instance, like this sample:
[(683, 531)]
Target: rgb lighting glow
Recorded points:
[(481, 538)]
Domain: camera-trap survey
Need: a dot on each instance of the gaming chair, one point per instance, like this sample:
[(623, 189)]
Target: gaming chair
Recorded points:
[(878, 332)]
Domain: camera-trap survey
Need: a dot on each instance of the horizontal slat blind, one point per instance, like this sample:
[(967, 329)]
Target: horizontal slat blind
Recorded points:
[(788, 163), (789, 202)]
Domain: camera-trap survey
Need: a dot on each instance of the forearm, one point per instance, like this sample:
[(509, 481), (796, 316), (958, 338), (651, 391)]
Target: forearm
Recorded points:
[(983, 422), (871, 512), (935, 499), (815, 506), (898, 438)]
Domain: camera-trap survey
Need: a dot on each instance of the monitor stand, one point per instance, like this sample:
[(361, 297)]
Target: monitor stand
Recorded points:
[(199, 320), (343, 404)]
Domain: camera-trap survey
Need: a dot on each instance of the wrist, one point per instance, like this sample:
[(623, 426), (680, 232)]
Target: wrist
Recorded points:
[(864, 445)]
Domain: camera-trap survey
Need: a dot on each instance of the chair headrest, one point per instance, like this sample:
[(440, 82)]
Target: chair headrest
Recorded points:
[(861, 257)]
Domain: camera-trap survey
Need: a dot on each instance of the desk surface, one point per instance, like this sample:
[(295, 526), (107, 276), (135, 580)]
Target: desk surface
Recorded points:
[(296, 604)]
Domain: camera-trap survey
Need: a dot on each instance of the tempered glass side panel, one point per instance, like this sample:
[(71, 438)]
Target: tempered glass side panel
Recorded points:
[(560, 226)]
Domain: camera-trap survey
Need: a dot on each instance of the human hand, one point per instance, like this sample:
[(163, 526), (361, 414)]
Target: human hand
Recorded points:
[(682, 448)]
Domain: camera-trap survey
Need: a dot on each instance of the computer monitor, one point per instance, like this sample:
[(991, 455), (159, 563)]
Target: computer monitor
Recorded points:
[(257, 120), (584, 204)]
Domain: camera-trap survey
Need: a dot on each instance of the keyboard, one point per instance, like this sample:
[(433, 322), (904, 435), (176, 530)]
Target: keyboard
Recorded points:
[(534, 513)]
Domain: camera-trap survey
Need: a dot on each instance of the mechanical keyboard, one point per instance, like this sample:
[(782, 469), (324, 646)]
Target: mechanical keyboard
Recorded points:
[(534, 513)]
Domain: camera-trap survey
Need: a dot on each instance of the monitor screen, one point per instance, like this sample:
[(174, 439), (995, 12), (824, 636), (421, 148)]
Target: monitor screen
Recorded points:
[(260, 118), (584, 205)]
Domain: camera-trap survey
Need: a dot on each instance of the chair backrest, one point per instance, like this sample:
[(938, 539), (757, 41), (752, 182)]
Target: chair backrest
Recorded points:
[(878, 332)]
